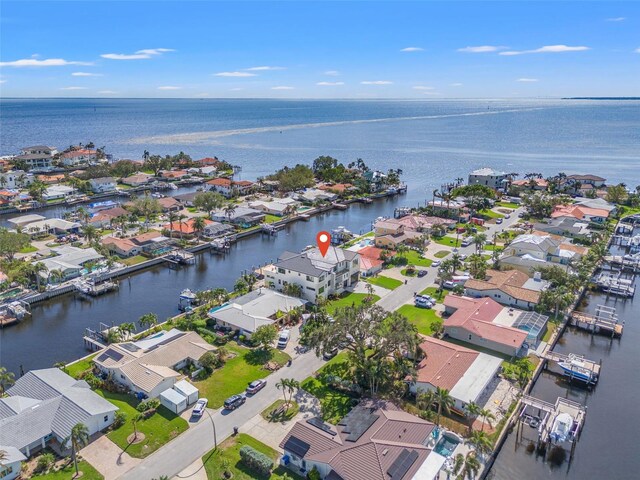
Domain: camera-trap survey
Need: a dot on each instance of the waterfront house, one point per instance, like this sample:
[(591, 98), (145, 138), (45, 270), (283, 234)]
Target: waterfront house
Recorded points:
[(51, 226), (137, 180), (376, 179), (581, 212), (208, 162), (174, 174), (312, 195), (485, 323), (11, 465), (370, 261), (15, 179), (513, 288), (566, 227), (589, 179), (272, 208), (42, 407), (24, 220), (70, 261), (203, 171), (539, 249), (79, 157), (243, 217), (465, 373), (337, 188), (375, 441), (317, 276), (451, 209), (217, 229), (123, 247), (52, 179), (150, 366), (391, 232), (228, 188), (58, 192), (184, 229), (535, 184), (103, 184), (37, 157), (255, 309), (103, 218), (151, 243), (186, 199), (169, 204), (488, 177)]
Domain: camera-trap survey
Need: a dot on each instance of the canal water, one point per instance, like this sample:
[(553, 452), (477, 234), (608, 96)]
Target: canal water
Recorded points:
[(608, 448), (54, 332)]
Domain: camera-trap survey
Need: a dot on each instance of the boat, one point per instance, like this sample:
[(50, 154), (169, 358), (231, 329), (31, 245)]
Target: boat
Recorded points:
[(12, 313), (97, 206), (186, 300), (561, 429), (574, 366)]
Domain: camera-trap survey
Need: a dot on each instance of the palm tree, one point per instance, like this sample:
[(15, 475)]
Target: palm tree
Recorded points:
[(288, 386), (148, 320), (229, 210), (78, 438), (471, 466), (34, 271), (61, 365), (172, 217), (6, 380), (83, 214), (55, 275), (479, 239), (90, 233), (126, 329), (114, 336), (481, 442), (487, 416), (444, 401), (181, 217), (473, 410), (425, 400), (134, 421), (458, 463), (199, 225)]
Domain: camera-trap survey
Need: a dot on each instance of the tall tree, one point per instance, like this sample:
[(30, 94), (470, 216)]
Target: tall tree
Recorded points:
[(444, 401), (265, 335), (208, 202), (78, 438), (7, 379)]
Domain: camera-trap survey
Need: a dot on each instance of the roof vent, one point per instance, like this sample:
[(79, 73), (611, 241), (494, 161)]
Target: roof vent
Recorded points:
[(385, 451)]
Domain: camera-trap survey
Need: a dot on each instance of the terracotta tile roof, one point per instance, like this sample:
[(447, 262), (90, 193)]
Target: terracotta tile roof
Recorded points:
[(578, 211), (208, 161), (146, 237), (540, 182), (372, 252), (574, 248), (444, 363), (510, 282), (184, 227), (476, 315), (367, 264), (124, 244), (78, 153), (338, 187), (220, 182), (243, 183)]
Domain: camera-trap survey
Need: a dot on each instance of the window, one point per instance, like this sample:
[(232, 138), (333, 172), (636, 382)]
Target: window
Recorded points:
[(469, 336), (122, 376), (309, 279), (280, 270), (6, 472), (312, 289)]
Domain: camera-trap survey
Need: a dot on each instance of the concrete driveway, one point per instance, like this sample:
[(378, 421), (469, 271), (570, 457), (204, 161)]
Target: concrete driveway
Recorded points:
[(107, 458)]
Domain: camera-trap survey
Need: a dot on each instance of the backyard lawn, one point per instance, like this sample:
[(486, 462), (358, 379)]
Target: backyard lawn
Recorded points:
[(80, 366), (69, 471), (384, 282), (441, 254), (158, 429), (447, 241), (507, 205), (335, 404), (284, 416), (348, 300), (230, 450), (136, 259), (237, 373), (414, 258), (425, 319), (268, 218), (490, 214), (433, 292)]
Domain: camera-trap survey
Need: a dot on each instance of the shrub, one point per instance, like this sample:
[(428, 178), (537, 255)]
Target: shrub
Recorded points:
[(45, 462), (119, 419), (152, 404), (256, 460), (314, 474), (205, 332), (93, 381), (210, 361)]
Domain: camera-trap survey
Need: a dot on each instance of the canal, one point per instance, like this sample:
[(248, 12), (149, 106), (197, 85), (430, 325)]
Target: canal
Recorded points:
[(54, 332), (608, 447)]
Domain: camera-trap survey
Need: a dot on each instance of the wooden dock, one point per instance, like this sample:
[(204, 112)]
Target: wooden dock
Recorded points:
[(580, 366), (605, 321)]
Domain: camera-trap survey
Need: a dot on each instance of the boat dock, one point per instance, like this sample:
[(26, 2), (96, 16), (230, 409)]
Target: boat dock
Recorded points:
[(340, 206), (573, 366), (605, 321), (13, 312), (543, 417), (614, 284), (95, 289), (180, 257)]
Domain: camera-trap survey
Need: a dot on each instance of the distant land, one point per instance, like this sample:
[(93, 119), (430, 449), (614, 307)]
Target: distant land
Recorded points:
[(601, 98)]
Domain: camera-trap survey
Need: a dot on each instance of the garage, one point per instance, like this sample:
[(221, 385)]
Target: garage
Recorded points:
[(188, 390), (173, 400)]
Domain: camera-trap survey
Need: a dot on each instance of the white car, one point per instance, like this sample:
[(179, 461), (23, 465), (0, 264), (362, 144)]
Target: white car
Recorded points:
[(283, 339), (200, 407), (436, 263)]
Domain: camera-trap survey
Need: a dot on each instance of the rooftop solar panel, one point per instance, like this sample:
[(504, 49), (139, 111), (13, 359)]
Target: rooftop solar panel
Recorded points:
[(296, 446), (402, 464), (318, 423)]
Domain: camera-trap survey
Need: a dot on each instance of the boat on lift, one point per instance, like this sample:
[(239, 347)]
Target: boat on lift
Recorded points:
[(187, 300)]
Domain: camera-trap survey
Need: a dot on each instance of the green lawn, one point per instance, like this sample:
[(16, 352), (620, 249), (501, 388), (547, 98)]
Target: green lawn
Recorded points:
[(348, 300), (230, 450), (158, 429), (268, 218), (447, 241), (441, 254), (507, 205), (136, 259), (433, 292), (490, 214), (269, 412), (335, 404), (28, 249), (384, 282), (414, 258), (237, 373), (69, 471), (425, 319), (80, 366), (409, 273)]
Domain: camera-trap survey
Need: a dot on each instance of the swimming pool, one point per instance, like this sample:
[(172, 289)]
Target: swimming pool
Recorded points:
[(446, 445)]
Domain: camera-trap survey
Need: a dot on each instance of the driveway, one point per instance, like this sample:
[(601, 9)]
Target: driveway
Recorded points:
[(107, 458)]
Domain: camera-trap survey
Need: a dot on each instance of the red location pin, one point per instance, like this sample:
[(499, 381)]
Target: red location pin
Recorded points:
[(324, 240)]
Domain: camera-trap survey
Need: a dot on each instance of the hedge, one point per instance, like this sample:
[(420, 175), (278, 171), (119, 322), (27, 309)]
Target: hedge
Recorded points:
[(256, 460)]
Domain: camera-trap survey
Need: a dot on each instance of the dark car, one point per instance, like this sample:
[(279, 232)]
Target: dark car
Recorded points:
[(255, 386), (234, 402), (330, 354), (422, 273)]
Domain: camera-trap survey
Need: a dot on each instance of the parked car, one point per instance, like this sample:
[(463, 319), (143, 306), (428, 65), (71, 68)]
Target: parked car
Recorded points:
[(422, 303), (507, 215), (449, 284), (422, 273), (462, 257), (498, 221), (200, 407), (465, 242), (234, 402), (330, 354), (436, 263), (283, 339), (255, 386)]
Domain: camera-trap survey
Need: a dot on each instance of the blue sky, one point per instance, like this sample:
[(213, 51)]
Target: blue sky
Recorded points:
[(319, 49)]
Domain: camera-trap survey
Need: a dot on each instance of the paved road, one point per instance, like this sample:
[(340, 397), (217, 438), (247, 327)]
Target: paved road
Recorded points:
[(198, 440)]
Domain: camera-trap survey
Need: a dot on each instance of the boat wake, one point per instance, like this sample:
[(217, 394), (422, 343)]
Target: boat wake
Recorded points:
[(210, 137)]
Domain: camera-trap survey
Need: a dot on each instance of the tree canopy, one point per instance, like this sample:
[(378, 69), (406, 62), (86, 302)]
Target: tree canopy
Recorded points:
[(11, 243), (300, 176)]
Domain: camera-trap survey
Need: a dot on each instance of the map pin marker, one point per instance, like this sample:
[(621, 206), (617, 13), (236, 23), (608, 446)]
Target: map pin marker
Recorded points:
[(324, 240)]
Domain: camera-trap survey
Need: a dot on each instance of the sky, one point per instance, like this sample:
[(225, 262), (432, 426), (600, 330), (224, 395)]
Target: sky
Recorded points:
[(308, 49)]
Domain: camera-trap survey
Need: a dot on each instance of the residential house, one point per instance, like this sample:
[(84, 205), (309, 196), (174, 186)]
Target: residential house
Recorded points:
[(479, 321), (52, 179), (37, 157), (15, 179), (376, 179), (208, 162), (103, 184), (597, 203), (391, 232), (513, 288), (567, 227), (593, 180), (185, 228), (123, 247), (318, 276), (42, 407), (51, 226), (465, 373), (24, 220), (375, 441), (203, 171), (312, 195), (370, 260), (8, 196), (151, 243), (186, 199), (217, 229), (174, 174), (243, 217), (540, 249), (58, 192), (137, 180), (79, 157), (70, 261), (536, 184), (488, 177), (337, 188), (169, 204), (103, 218), (272, 208), (150, 366), (255, 309), (581, 212), (229, 188), (11, 464), (452, 208)]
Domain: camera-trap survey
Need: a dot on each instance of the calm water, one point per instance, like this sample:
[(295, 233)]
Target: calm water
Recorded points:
[(432, 142)]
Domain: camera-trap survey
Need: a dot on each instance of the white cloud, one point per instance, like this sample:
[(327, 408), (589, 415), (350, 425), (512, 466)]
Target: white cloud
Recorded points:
[(107, 92), (234, 74), (422, 87), (412, 49), (329, 84), (264, 68), (49, 62), (637, 50), (332, 73), (237, 89), (169, 87), (73, 88), (616, 19), (481, 49), (85, 74), (139, 55), (547, 49), (3, 81), (430, 93), (527, 80), (457, 84), (376, 82), (282, 87)]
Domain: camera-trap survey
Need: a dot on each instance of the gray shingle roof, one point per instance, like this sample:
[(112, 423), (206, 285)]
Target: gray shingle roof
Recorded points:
[(311, 262)]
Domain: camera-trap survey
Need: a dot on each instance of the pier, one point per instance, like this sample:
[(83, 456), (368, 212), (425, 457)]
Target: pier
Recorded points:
[(614, 284), (573, 366), (95, 289), (605, 321), (180, 257)]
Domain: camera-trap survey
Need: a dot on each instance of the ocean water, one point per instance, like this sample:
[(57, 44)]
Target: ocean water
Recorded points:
[(431, 141)]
